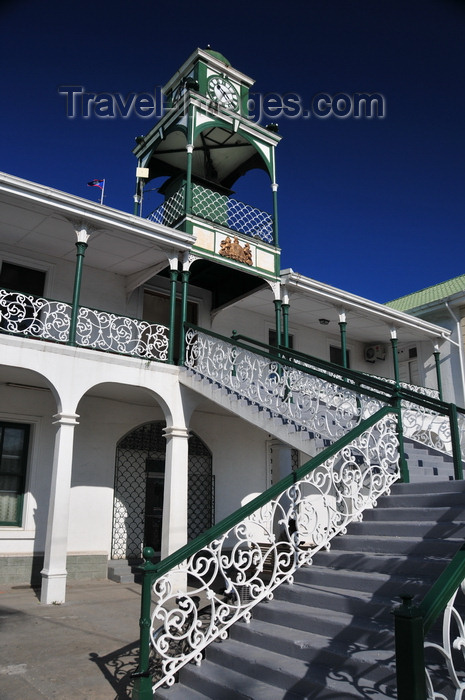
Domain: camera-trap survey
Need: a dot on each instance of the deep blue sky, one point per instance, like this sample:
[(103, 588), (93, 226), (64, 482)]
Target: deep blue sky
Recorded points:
[(375, 207)]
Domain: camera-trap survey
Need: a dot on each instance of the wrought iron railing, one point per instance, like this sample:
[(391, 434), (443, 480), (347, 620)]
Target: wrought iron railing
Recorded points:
[(326, 407), (433, 669), (239, 562), (317, 396), (45, 319), (218, 208)]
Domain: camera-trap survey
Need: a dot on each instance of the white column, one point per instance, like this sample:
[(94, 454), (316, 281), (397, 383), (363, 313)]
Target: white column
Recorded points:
[(56, 543), (174, 527)]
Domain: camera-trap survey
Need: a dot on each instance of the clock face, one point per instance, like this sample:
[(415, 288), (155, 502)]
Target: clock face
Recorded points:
[(222, 91)]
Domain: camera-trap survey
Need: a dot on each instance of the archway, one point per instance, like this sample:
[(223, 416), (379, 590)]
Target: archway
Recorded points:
[(138, 494)]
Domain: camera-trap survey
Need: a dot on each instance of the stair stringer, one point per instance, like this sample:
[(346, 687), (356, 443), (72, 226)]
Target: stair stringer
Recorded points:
[(279, 427)]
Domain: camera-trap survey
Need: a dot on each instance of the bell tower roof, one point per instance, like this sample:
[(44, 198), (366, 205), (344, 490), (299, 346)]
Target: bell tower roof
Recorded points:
[(218, 55)]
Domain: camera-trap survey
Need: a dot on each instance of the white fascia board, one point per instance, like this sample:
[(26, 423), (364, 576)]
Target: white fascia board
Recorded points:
[(338, 297), (98, 216)]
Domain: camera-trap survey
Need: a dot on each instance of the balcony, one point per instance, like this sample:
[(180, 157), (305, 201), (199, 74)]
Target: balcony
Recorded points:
[(218, 208), (36, 317)]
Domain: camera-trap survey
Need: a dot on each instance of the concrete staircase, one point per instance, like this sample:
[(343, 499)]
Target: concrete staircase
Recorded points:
[(330, 634)]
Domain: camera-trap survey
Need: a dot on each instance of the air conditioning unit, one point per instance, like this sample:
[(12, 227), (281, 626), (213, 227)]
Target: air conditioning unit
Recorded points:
[(375, 352)]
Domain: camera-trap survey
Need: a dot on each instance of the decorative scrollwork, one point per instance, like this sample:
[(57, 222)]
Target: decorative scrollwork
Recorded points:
[(428, 427), (325, 408), (25, 314), (105, 331), (234, 572), (31, 316), (451, 650)]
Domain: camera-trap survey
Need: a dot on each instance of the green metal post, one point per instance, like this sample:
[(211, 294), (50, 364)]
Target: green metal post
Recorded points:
[(173, 281), (343, 326), (403, 466), (182, 339), (410, 655), (274, 187), (395, 360), (143, 682), (455, 438), (81, 250), (285, 308), (190, 151), (437, 360), (277, 305)]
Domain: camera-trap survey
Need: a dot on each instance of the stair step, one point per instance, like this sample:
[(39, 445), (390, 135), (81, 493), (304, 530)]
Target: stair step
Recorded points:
[(383, 584), (398, 545), (290, 673), (409, 528), (419, 500), (430, 514), (178, 692), (436, 487), (399, 565)]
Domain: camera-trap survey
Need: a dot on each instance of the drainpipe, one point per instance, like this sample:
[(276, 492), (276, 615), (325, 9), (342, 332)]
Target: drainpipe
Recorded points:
[(82, 234), (459, 345)]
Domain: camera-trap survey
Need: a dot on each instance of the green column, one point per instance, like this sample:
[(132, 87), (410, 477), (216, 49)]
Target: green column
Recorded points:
[(410, 659), (437, 360), (274, 188), (173, 281), (395, 359), (81, 250), (277, 305), (182, 339), (143, 685), (455, 439), (190, 150), (343, 326), (285, 308)]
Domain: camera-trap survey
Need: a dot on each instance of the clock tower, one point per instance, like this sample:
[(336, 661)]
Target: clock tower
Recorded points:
[(204, 142)]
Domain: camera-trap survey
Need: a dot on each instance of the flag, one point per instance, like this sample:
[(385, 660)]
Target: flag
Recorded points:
[(96, 183)]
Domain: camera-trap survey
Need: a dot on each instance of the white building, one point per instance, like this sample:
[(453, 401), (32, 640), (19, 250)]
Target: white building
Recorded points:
[(107, 444)]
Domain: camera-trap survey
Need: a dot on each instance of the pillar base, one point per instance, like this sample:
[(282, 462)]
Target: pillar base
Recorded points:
[(53, 589)]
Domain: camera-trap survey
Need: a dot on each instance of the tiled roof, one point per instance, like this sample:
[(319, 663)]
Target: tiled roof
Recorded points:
[(429, 295)]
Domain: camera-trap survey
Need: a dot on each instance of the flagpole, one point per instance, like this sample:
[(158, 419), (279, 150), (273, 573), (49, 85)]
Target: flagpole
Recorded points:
[(102, 193)]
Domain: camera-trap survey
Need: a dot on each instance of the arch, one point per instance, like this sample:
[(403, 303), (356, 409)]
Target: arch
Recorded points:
[(138, 490)]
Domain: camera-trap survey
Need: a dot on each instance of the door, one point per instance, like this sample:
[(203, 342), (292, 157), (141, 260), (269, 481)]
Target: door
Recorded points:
[(154, 485)]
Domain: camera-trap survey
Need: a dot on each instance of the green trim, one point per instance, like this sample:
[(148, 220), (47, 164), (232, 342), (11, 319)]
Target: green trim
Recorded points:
[(395, 361), (443, 589), (81, 250), (437, 363), (173, 282), (343, 326), (277, 307), (182, 341)]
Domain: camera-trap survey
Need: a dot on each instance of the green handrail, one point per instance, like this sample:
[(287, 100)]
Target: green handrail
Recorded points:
[(365, 384), (412, 623), (151, 572)]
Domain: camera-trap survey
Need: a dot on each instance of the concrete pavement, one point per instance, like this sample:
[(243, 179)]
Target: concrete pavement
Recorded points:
[(84, 649)]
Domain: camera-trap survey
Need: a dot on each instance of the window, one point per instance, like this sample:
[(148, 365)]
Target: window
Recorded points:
[(22, 279), (272, 338), (335, 356), (14, 443)]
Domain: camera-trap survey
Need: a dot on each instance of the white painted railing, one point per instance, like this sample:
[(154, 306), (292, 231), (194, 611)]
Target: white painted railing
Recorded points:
[(37, 317)]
